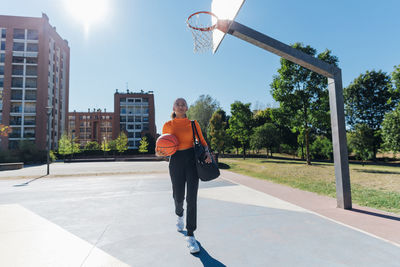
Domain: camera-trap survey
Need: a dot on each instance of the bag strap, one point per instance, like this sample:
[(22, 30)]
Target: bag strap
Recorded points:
[(194, 128)]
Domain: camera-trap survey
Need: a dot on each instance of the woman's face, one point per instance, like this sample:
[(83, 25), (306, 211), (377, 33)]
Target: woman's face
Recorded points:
[(180, 107)]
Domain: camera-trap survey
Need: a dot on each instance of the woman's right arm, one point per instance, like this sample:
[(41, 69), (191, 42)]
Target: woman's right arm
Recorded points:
[(166, 129)]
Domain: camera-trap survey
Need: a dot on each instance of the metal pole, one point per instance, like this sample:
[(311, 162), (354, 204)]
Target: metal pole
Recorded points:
[(339, 142), (48, 140), (333, 73)]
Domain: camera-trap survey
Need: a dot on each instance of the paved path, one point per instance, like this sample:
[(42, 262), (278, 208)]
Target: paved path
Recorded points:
[(127, 220)]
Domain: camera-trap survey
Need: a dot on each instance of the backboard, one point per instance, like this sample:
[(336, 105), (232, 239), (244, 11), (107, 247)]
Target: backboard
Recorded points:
[(223, 9)]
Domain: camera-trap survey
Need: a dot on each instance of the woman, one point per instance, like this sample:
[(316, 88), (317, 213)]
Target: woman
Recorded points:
[(182, 169)]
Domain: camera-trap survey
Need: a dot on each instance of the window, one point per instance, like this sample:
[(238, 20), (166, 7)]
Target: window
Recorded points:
[(33, 35), (16, 107), (1, 69), (1, 82), (122, 99), (130, 127), (138, 119), (123, 110), (30, 95), (130, 99), (123, 119), (138, 100), (18, 59), (130, 118), (29, 132), (16, 94), (31, 70), (18, 46), (30, 82), (19, 33), (145, 100), (17, 70), (138, 135), (30, 108), (32, 47), (3, 33), (145, 119), (138, 126), (130, 134), (29, 120), (31, 60), (13, 144), (145, 126), (2, 57), (15, 120), (3, 45), (16, 82), (138, 110)]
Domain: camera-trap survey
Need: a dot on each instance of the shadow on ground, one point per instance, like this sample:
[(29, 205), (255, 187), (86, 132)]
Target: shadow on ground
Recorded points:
[(377, 171), (385, 216)]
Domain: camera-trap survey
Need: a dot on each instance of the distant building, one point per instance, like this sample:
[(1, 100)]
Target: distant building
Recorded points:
[(90, 126), (34, 74), (135, 115)]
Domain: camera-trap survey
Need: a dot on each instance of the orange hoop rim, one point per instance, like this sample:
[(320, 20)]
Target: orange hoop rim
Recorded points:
[(203, 29)]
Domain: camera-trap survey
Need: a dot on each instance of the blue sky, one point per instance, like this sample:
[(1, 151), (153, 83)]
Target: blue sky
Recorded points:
[(146, 44)]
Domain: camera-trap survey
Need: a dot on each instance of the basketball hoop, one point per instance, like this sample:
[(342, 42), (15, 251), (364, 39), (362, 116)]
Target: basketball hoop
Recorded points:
[(202, 24)]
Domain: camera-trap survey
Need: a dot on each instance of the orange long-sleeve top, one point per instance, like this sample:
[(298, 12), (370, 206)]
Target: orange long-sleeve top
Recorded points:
[(182, 129)]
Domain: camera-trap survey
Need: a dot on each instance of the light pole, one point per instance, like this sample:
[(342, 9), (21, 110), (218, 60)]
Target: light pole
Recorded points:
[(49, 139)]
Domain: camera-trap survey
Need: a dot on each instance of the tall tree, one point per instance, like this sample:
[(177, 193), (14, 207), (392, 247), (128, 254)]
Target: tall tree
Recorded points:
[(216, 130), (202, 111), (391, 130), (240, 124), (367, 99), (265, 136), (360, 141), (396, 77), (303, 94)]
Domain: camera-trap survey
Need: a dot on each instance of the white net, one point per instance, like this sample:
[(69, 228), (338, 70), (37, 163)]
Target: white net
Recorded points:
[(201, 26)]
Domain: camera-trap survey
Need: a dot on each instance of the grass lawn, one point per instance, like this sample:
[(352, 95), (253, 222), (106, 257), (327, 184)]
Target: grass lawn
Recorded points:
[(373, 186)]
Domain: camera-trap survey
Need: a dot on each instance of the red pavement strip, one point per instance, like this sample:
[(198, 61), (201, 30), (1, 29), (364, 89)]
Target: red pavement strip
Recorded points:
[(373, 222)]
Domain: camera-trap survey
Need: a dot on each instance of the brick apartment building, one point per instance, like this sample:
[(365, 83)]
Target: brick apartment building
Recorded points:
[(34, 74), (133, 114), (90, 126)]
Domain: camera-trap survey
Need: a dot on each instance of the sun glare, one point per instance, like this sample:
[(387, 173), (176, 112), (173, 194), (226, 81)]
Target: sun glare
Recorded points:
[(87, 12)]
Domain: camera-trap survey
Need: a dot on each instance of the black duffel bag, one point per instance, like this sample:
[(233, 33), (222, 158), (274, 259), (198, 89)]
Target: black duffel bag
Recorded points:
[(205, 171)]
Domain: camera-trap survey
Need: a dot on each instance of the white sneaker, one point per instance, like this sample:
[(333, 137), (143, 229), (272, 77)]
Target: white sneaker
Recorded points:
[(192, 244), (180, 224)]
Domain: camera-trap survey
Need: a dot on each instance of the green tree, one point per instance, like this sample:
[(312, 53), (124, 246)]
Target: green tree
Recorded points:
[(360, 142), (391, 131), (143, 148), (92, 146), (303, 94), (261, 117), (64, 145), (396, 77), (240, 124), (105, 146), (367, 99), (121, 143), (216, 130), (265, 136), (322, 148), (202, 110)]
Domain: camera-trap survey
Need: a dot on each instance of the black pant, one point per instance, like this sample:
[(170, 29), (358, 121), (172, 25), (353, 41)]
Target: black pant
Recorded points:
[(182, 169)]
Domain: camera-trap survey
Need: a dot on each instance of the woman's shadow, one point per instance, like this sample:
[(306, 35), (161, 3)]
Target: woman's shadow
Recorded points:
[(204, 257)]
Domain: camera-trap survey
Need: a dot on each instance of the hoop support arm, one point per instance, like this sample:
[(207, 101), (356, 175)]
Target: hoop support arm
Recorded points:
[(274, 46)]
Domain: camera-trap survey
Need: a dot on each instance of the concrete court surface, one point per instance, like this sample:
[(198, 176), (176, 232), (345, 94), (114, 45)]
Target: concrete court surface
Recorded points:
[(125, 218)]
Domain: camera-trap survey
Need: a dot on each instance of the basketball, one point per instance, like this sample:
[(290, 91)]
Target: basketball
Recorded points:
[(167, 144)]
